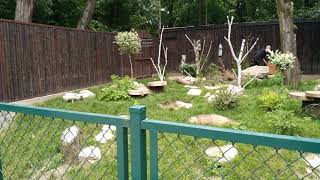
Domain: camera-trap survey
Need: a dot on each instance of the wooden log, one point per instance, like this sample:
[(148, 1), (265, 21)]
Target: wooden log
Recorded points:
[(313, 94), (300, 96)]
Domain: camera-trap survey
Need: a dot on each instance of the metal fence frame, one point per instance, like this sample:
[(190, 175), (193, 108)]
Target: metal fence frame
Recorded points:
[(139, 125)]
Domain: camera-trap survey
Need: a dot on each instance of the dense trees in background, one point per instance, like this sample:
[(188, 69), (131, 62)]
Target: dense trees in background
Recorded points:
[(113, 15)]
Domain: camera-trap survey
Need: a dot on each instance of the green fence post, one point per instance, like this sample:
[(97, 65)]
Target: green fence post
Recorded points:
[(122, 153), (153, 154), (138, 143), (1, 173)]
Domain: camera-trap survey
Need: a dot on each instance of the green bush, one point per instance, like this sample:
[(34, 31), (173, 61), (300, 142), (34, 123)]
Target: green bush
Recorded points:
[(212, 75), (271, 100), (188, 69), (285, 122), (276, 80), (225, 100), (118, 90)]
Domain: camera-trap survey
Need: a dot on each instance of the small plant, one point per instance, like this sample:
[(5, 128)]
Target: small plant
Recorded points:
[(225, 100), (276, 80), (282, 60), (285, 122), (118, 90), (271, 100), (129, 43), (188, 69)]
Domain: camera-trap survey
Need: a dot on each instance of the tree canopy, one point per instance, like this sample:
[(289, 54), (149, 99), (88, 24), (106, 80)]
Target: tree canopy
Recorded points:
[(115, 15)]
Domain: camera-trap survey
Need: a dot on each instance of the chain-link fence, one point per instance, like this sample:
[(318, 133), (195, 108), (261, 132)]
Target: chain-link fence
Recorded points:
[(38, 147), (186, 157)]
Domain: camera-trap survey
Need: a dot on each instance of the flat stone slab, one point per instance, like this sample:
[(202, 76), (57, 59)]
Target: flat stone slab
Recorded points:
[(212, 119), (313, 94), (224, 154), (157, 83), (300, 96), (194, 92)]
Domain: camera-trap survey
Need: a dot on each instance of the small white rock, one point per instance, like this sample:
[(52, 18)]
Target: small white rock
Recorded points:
[(207, 95), (223, 153), (109, 127), (211, 98), (104, 136), (314, 160), (90, 154), (72, 97), (183, 104), (194, 92), (212, 87), (191, 87), (234, 89), (70, 134), (87, 94)]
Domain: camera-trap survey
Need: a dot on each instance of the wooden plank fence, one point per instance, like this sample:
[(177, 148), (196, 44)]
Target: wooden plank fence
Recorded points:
[(36, 60), (308, 38)]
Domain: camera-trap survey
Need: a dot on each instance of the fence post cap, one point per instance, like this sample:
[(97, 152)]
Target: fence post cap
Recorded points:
[(137, 109)]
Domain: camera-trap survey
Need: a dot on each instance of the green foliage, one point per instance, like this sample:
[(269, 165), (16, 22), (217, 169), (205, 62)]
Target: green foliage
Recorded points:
[(276, 80), (271, 100), (212, 75), (282, 60), (188, 69), (285, 122), (225, 100), (118, 90), (128, 42)]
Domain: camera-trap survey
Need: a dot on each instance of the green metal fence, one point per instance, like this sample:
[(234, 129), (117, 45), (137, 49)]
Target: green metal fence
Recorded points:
[(31, 148)]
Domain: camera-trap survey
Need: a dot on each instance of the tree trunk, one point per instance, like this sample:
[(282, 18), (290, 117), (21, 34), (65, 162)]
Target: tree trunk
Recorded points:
[(87, 14), (202, 8), (131, 67), (288, 40), (24, 10)]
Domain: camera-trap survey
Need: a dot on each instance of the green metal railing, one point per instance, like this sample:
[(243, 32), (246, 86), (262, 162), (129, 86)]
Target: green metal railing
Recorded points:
[(158, 149)]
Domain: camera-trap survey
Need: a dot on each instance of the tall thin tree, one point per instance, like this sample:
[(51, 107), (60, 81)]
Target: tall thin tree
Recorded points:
[(24, 10), (84, 21), (288, 40)]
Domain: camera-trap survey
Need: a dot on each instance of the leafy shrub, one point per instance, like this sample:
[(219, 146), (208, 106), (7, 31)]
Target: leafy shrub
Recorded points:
[(225, 100), (282, 60), (188, 69), (276, 80), (285, 122), (271, 100), (128, 42), (212, 74), (118, 90)]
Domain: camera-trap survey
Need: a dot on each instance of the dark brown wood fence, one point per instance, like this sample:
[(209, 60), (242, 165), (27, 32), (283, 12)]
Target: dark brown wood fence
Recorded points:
[(308, 42), (36, 60)]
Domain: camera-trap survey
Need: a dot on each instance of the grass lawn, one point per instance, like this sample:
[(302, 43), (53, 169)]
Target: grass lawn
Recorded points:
[(179, 156)]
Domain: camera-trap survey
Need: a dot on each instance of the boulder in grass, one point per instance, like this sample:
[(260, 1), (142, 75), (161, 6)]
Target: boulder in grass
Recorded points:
[(186, 80), (90, 155), (313, 161), (71, 97), (212, 119), (182, 104), (317, 88), (258, 71), (70, 142), (223, 154), (194, 92), (109, 127), (104, 136), (87, 94)]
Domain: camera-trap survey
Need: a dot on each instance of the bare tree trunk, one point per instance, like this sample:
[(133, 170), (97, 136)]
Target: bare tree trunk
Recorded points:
[(288, 40), (131, 67), (24, 10), (87, 15)]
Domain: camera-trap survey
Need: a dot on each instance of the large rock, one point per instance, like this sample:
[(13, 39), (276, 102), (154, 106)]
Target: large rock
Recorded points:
[(70, 142), (141, 90), (194, 92), (87, 94), (72, 97), (90, 155), (223, 154), (258, 71), (104, 136), (313, 161), (317, 88), (212, 119), (186, 80), (182, 104)]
